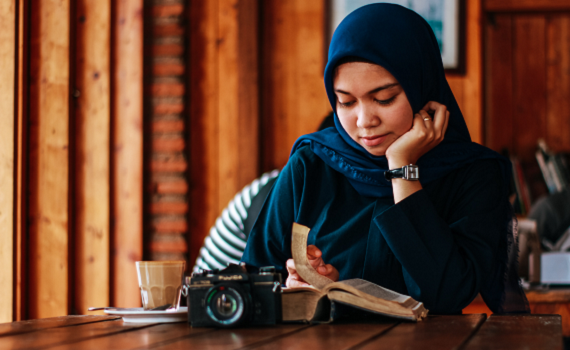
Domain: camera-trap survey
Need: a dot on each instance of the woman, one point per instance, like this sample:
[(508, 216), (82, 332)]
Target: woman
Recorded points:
[(442, 239)]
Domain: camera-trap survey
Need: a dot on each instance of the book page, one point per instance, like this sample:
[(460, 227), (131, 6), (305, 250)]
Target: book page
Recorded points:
[(299, 250), (373, 289)]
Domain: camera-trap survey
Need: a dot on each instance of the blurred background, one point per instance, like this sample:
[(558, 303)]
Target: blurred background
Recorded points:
[(127, 126)]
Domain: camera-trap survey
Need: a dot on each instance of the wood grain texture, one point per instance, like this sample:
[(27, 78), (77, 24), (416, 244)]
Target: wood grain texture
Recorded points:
[(92, 163), (238, 97), (223, 109), (468, 88), (519, 332), (525, 5), (7, 125), (529, 84), (549, 296), (48, 159), (558, 81), (127, 149), (20, 203), (562, 309), (293, 97), (499, 131), (434, 332), (230, 338), (337, 336), (140, 338), (51, 322), (67, 335), (203, 121)]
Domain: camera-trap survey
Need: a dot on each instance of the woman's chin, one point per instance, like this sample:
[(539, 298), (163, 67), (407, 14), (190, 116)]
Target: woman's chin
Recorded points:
[(376, 151)]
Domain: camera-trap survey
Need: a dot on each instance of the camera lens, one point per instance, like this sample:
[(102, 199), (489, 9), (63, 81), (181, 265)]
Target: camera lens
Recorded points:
[(226, 305)]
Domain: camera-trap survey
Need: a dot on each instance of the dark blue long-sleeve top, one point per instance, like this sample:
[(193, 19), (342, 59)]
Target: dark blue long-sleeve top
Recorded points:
[(438, 245)]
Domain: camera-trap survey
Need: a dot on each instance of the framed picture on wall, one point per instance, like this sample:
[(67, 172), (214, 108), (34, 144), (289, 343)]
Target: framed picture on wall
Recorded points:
[(446, 18)]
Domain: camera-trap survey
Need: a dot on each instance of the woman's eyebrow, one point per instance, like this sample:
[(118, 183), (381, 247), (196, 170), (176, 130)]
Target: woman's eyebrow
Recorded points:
[(387, 86)]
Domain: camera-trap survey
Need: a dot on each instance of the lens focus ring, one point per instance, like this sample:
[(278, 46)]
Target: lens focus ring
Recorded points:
[(226, 305)]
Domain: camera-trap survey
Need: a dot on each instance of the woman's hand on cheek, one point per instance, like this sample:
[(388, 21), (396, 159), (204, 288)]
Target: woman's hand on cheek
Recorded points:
[(425, 134), (314, 255)]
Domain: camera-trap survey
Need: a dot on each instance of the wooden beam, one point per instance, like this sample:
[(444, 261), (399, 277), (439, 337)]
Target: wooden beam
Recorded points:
[(92, 140), (238, 90), (203, 121), (127, 151), (20, 202), (48, 159), (293, 39), (525, 5), (558, 82), (529, 84), (468, 88), (7, 84)]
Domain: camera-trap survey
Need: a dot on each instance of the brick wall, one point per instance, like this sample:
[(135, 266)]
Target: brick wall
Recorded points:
[(165, 142)]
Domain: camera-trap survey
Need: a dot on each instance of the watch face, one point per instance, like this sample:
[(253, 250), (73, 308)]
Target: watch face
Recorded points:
[(411, 172)]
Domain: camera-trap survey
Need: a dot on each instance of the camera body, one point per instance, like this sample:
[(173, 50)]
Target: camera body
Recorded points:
[(233, 297)]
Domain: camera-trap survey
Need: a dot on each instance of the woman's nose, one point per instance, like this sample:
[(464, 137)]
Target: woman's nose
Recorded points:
[(367, 117)]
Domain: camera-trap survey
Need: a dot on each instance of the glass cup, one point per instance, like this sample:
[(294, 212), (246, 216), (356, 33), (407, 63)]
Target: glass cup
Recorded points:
[(160, 283)]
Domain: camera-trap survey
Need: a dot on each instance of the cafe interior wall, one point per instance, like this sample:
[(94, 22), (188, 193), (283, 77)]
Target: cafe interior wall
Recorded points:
[(129, 105)]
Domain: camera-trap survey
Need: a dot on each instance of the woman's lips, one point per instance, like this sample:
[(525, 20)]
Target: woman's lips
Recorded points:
[(371, 141)]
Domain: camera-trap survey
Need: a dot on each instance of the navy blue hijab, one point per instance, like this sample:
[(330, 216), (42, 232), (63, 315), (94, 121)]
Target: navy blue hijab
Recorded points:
[(402, 42)]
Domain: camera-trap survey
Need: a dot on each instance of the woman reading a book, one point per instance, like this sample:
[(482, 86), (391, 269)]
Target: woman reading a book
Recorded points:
[(396, 193)]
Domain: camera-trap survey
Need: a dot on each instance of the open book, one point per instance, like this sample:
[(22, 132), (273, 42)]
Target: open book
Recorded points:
[(318, 302)]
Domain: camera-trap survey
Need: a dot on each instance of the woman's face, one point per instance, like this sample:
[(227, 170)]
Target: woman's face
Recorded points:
[(371, 105)]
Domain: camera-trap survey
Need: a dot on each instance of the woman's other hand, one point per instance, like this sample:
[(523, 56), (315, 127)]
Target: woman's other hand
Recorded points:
[(425, 134), (314, 255)]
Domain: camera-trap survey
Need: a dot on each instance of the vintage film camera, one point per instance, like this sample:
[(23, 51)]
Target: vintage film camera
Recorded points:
[(233, 297)]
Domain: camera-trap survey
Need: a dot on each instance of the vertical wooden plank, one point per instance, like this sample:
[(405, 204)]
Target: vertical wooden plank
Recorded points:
[(127, 148), (468, 88), (248, 93), (7, 84), (238, 102), (203, 121), (20, 203), (308, 94), (499, 122), (92, 140), (49, 124), (529, 83), (473, 88), (228, 113), (293, 97), (558, 82)]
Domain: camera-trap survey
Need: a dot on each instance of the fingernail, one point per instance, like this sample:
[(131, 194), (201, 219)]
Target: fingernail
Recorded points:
[(322, 269)]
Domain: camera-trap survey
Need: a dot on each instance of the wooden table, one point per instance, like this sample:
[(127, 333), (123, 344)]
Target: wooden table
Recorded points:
[(474, 331), (541, 301)]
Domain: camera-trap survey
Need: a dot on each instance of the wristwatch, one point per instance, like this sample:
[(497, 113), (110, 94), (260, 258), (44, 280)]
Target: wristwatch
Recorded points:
[(407, 172)]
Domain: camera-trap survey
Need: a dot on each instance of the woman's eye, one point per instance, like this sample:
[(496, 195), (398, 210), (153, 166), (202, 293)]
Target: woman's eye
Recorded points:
[(345, 104), (386, 102)]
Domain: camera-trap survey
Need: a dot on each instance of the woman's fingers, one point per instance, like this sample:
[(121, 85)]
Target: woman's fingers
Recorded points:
[(293, 280), (313, 252)]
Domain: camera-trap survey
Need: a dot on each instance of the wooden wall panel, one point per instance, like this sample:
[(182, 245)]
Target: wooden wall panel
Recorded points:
[(558, 81), (48, 158), (92, 140), (499, 83), (203, 121), (20, 202), (238, 97), (293, 96), (224, 108), (529, 83), (7, 85), (526, 5), (468, 88), (127, 149)]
